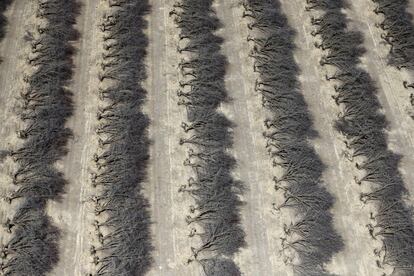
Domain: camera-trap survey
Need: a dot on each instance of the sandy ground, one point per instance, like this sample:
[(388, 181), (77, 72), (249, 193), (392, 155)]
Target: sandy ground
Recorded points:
[(263, 228), (350, 215), (392, 94), (166, 173), (11, 73), (73, 215)]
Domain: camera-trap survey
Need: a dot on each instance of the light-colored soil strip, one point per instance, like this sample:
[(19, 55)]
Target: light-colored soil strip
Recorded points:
[(263, 228), (172, 247), (349, 214), (363, 125), (45, 106), (11, 84), (74, 213)]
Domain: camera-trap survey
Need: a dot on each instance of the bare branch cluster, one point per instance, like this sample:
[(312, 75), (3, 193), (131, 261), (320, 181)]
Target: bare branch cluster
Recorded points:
[(215, 191), (122, 222), (219, 266), (362, 123), (398, 31), (398, 28), (46, 106), (288, 130)]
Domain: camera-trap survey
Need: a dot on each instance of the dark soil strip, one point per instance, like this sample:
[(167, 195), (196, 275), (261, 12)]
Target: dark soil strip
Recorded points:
[(216, 193), (3, 20), (45, 107), (122, 217), (310, 236), (362, 123)]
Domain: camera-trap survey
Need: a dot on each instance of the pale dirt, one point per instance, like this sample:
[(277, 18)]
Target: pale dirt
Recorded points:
[(350, 215), (73, 215), (11, 84), (166, 173), (392, 94), (263, 228)]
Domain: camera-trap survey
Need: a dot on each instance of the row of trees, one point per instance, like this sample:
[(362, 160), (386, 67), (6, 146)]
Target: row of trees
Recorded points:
[(216, 213), (310, 240), (46, 104), (122, 219), (398, 31), (398, 28), (363, 124)]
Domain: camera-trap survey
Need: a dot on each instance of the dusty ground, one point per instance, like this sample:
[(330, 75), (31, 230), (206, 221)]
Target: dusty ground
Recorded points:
[(263, 228), (350, 215), (392, 94), (73, 214), (166, 173), (11, 84)]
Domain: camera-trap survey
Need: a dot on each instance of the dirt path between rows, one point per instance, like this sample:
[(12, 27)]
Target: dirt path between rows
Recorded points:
[(72, 215), (393, 96), (166, 171), (350, 215), (12, 51), (263, 228)]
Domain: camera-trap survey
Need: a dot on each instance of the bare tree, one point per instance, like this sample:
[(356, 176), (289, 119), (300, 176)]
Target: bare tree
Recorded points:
[(289, 128), (209, 137), (46, 106), (120, 207), (399, 31), (362, 123)]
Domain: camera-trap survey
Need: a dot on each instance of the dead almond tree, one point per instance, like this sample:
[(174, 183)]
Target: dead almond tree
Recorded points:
[(397, 24), (46, 106), (364, 128), (122, 220), (289, 127), (208, 137)]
